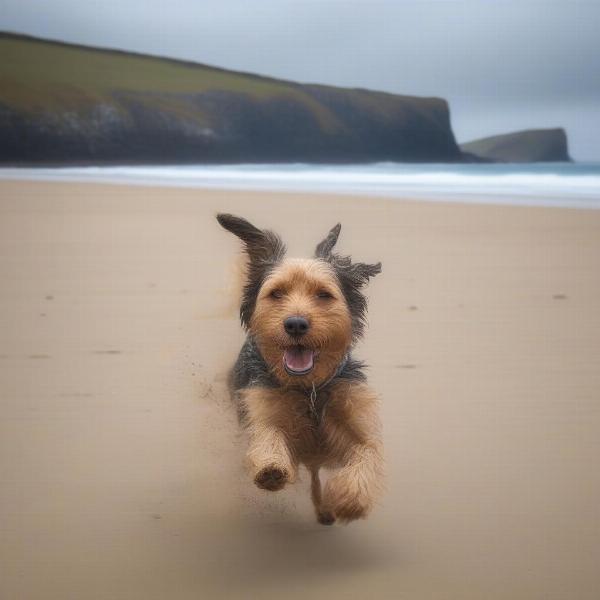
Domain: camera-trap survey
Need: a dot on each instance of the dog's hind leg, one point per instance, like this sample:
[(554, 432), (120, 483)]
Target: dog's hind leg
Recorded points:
[(315, 488), (324, 517)]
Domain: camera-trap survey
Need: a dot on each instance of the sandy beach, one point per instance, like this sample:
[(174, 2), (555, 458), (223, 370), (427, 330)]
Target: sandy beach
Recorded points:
[(120, 456)]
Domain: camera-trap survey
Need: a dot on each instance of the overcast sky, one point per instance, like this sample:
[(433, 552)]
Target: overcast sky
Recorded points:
[(502, 64)]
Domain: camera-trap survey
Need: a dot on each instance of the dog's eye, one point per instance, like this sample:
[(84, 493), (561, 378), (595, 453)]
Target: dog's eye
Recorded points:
[(277, 294), (324, 294)]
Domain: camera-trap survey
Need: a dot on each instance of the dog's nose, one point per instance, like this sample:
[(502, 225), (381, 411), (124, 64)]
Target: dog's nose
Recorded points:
[(296, 325)]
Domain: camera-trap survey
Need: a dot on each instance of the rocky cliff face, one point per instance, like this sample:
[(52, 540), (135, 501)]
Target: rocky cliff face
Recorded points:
[(66, 103), (534, 145)]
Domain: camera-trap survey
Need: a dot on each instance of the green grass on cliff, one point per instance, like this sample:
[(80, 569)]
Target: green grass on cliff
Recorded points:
[(41, 76), (30, 61)]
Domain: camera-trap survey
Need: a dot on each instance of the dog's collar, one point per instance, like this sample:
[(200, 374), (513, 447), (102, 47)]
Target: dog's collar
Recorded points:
[(338, 371), (315, 410), (312, 392)]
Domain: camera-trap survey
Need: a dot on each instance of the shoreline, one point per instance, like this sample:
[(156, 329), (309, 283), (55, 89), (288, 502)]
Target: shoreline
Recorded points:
[(544, 185)]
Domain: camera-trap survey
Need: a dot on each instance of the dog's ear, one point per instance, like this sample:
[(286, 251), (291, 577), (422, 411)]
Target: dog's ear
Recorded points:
[(359, 273), (324, 248), (364, 272), (264, 248), (261, 246), (352, 274), (352, 277)]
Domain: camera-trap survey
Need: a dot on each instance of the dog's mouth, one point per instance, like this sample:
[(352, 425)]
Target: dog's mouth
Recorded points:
[(298, 360)]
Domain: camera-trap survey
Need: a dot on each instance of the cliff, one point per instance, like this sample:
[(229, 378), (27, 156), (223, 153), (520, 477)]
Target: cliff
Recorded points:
[(533, 145), (66, 103)]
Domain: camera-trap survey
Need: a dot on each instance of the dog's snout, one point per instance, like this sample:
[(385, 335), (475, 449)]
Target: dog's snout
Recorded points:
[(296, 326)]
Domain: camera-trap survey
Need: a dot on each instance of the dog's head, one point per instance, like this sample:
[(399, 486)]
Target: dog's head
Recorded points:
[(303, 313)]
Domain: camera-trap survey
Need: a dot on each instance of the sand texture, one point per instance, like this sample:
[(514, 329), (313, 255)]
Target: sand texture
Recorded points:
[(120, 457)]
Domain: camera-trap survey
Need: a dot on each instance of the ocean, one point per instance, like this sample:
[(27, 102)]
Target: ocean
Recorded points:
[(573, 185)]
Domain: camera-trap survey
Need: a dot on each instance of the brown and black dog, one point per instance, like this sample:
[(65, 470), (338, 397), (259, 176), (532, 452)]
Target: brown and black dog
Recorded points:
[(299, 392)]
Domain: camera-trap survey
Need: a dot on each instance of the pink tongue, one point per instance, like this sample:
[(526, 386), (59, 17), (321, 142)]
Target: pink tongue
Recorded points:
[(298, 359)]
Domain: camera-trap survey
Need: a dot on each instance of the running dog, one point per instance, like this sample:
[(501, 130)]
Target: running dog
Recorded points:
[(301, 396)]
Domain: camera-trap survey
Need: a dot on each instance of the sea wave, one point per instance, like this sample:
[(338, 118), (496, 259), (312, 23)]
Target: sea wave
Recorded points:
[(570, 185)]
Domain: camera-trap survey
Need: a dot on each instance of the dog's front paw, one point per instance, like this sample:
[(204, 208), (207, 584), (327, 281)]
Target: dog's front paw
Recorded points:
[(271, 478)]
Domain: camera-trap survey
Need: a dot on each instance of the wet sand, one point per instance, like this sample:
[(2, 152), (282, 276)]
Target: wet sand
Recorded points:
[(120, 457)]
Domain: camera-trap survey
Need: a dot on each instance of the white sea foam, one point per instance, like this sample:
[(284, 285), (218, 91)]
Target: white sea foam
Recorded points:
[(568, 185)]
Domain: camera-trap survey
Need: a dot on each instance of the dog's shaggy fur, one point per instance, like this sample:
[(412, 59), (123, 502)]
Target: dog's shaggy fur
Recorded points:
[(300, 394)]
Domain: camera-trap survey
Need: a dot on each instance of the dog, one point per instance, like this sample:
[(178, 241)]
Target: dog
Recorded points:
[(300, 394)]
